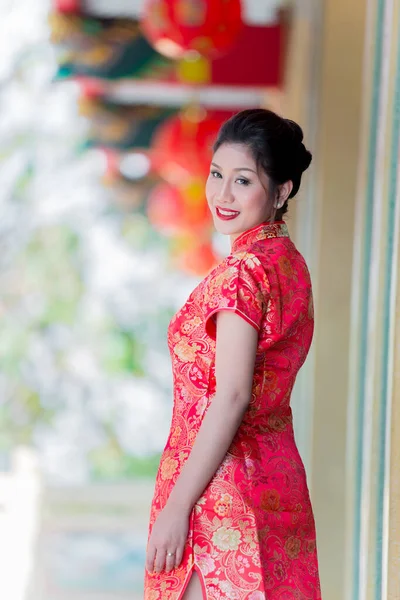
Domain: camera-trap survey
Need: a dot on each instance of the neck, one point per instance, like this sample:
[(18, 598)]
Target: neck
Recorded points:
[(234, 236)]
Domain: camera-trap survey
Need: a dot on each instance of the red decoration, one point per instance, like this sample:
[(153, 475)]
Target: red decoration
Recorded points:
[(244, 66), (68, 6), (209, 27), (182, 145), (198, 259), (111, 168), (91, 87), (171, 210)]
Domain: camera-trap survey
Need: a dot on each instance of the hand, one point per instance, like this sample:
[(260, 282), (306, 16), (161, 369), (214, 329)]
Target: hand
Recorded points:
[(167, 540)]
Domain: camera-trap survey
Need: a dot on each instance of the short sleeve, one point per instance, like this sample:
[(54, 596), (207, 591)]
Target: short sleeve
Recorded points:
[(240, 285)]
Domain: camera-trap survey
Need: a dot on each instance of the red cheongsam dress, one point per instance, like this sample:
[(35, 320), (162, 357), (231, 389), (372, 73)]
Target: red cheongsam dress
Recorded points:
[(252, 532)]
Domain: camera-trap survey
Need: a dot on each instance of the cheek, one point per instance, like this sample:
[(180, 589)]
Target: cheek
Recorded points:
[(256, 200), (209, 189)]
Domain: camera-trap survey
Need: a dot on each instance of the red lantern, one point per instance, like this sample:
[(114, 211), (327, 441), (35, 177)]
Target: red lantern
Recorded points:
[(68, 6), (92, 88), (198, 259), (182, 145), (209, 27), (171, 210)]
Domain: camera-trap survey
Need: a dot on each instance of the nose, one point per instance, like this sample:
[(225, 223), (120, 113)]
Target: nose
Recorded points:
[(225, 195)]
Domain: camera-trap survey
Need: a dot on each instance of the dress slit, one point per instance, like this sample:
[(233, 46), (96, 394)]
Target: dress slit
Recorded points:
[(193, 569)]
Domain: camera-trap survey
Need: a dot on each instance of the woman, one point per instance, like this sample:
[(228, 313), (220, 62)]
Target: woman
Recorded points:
[(231, 515)]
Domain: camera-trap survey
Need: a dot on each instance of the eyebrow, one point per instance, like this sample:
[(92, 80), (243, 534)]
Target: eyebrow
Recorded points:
[(237, 169)]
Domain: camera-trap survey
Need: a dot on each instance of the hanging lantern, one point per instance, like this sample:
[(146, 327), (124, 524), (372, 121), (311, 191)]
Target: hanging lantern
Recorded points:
[(182, 145), (197, 215), (91, 88), (198, 258), (171, 210), (174, 27), (68, 6)]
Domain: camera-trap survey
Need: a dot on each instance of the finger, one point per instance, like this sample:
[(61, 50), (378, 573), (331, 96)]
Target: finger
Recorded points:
[(150, 556), (170, 562), (178, 556), (159, 560)]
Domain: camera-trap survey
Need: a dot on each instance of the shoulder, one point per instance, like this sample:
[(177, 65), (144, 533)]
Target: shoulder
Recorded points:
[(238, 270), (239, 284), (236, 263), (246, 258), (279, 258)]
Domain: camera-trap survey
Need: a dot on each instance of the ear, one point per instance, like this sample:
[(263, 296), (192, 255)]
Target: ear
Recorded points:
[(282, 194)]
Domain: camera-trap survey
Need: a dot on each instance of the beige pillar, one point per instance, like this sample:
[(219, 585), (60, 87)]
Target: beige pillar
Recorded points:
[(337, 154), (323, 225)]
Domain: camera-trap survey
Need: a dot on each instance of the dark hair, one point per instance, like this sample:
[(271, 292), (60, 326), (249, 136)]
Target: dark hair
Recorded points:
[(275, 143)]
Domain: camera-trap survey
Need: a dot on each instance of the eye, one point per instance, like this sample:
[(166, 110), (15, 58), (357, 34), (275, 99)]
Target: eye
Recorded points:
[(243, 181), (216, 174)]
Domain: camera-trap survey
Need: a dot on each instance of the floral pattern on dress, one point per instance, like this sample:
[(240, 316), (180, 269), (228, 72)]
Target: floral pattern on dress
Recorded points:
[(252, 533)]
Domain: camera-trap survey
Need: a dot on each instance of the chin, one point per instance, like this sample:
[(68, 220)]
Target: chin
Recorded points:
[(228, 227)]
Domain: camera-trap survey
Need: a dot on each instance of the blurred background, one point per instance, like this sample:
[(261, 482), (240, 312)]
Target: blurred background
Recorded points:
[(108, 113)]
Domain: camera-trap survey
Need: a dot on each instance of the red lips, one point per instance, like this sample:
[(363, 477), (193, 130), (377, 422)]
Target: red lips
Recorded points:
[(226, 217)]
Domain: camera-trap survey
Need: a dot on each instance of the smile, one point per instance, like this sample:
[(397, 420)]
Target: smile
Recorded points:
[(226, 214)]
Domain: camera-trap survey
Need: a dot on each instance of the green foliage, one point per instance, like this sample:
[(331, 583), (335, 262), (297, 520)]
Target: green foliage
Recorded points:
[(21, 416), (137, 232), (13, 344), (23, 181), (51, 271), (123, 352), (63, 350), (111, 463)]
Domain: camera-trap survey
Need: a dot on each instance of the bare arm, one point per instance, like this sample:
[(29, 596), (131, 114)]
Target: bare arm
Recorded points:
[(236, 347)]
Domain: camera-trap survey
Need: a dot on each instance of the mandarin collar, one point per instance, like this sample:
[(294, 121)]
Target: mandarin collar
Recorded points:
[(265, 230)]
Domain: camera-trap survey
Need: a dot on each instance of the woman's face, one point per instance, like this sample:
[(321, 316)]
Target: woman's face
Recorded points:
[(237, 197)]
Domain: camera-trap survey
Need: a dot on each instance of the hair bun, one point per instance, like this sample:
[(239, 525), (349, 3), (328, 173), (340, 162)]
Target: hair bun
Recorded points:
[(296, 131), (305, 158), (302, 156)]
